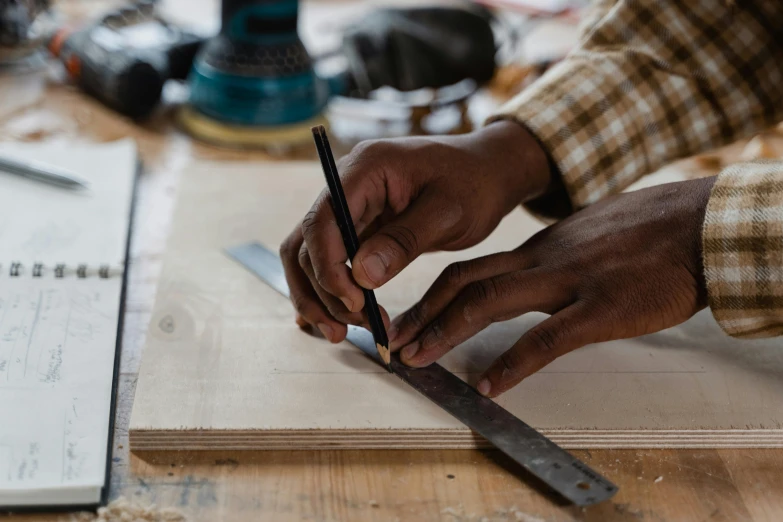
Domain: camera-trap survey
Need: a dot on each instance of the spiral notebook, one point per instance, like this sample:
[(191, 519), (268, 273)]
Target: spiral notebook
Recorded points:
[(62, 258)]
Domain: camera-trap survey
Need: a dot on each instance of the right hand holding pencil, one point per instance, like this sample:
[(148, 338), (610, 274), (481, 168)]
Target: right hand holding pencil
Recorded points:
[(407, 196)]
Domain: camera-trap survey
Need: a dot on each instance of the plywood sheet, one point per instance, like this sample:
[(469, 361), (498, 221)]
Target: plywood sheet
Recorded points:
[(226, 367)]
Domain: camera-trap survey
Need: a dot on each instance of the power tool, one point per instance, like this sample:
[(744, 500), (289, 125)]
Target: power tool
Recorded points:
[(254, 84), (125, 57)]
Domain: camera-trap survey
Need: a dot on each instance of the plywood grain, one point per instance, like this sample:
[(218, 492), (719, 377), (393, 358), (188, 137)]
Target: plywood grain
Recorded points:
[(367, 485), (226, 367)]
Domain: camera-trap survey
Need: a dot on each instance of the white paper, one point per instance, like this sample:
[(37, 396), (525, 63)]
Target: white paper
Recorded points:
[(50, 224), (58, 336)]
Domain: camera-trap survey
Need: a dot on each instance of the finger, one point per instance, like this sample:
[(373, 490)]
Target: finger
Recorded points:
[(327, 256), (364, 185), (301, 321), (306, 302), (482, 303), (564, 332), (424, 224), (449, 283), (336, 307)]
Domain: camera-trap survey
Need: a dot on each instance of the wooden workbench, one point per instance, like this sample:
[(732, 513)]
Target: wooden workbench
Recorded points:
[(715, 485)]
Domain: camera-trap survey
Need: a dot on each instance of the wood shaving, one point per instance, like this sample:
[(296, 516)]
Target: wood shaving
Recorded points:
[(121, 510)]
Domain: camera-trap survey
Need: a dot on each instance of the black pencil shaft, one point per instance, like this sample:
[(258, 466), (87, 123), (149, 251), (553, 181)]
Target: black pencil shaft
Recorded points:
[(345, 224)]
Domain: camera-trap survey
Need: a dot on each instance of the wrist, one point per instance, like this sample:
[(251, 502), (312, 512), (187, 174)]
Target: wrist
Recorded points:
[(694, 209), (525, 162)]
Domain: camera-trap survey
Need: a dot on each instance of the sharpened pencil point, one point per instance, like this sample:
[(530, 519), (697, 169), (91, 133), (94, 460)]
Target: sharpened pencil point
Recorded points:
[(385, 354)]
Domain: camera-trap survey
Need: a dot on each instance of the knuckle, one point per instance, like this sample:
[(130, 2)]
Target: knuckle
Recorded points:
[(415, 316), (404, 238), (511, 363), (362, 154), (436, 335), (304, 258), (543, 339), (341, 314), (479, 293), (328, 278), (367, 148), (310, 221), (456, 274), (476, 300)]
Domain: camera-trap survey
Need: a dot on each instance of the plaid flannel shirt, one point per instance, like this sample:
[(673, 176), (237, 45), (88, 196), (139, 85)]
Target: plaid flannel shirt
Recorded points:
[(656, 80)]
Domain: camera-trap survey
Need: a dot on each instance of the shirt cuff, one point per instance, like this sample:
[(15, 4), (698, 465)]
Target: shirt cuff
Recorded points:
[(743, 249)]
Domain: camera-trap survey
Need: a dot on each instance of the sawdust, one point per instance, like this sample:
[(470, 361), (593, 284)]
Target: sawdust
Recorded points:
[(121, 510)]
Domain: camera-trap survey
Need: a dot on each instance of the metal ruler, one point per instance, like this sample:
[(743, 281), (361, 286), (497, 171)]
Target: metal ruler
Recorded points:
[(561, 471)]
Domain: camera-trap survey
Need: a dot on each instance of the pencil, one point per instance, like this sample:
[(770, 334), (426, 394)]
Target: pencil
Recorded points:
[(350, 239), (42, 172)]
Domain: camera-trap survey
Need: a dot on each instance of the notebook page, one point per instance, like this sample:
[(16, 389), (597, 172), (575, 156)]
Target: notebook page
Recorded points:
[(58, 336), (57, 347), (49, 224)]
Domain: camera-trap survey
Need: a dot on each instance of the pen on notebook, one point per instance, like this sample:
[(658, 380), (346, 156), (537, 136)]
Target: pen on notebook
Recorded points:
[(350, 239), (42, 172)]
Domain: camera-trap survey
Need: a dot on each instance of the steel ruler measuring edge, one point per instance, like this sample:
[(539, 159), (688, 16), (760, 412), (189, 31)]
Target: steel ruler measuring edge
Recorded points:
[(561, 471)]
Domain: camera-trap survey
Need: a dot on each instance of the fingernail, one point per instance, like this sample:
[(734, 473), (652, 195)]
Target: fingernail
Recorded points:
[(301, 321), (326, 330), (348, 303), (409, 351), (374, 267), (484, 386)]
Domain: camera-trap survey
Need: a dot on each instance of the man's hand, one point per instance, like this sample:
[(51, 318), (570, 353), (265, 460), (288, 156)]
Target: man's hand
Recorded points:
[(624, 267), (407, 196)]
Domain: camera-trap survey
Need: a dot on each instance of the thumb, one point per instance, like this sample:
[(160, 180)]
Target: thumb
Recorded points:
[(422, 226), (567, 330)]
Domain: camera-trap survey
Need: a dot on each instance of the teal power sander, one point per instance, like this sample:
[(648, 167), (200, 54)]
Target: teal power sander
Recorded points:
[(253, 85)]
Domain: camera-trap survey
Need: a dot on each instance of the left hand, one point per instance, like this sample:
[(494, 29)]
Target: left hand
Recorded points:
[(626, 266)]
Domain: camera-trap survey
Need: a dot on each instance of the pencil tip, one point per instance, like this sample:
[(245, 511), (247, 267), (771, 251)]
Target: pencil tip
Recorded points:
[(385, 354)]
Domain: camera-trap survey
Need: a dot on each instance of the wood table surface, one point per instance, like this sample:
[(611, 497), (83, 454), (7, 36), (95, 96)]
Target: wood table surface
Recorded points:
[(655, 485)]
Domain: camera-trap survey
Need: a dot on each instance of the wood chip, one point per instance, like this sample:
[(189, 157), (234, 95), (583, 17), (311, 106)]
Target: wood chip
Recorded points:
[(121, 510)]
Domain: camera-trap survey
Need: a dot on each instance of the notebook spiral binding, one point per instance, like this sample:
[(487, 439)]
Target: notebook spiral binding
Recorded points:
[(59, 271)]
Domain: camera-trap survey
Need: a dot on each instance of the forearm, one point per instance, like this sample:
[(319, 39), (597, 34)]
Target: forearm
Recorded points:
[(652, 82)]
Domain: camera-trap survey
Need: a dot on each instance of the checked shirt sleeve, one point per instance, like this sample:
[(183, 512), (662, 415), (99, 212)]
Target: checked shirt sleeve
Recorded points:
[(653, 81), (743, 249)]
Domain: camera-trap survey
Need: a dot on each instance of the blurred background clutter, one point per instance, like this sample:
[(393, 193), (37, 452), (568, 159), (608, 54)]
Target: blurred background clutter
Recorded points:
[(244, 74), (249, 74)]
